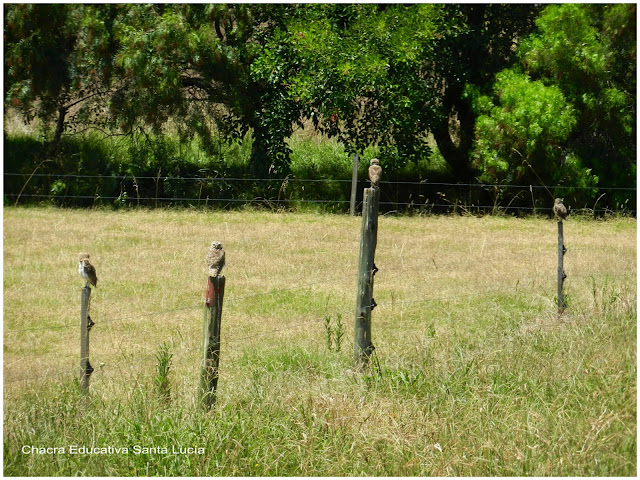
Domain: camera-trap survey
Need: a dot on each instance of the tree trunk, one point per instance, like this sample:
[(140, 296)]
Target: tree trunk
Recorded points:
[(457, 156), (55, 143), (259, 161), (471, 55)]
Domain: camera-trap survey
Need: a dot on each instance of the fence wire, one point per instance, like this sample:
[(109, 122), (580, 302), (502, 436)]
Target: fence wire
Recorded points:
[(74, 373), (314, 180), (229, 199), (274, 291), (290, 201), (315, 321)]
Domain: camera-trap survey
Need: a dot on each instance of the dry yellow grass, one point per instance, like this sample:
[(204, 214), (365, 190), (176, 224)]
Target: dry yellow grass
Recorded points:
[(152, 262), (456, 296)]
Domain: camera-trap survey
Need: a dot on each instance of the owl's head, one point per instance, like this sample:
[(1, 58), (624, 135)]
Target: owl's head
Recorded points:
[(83, 256), (216, 246), (559, 200), (374, 161)]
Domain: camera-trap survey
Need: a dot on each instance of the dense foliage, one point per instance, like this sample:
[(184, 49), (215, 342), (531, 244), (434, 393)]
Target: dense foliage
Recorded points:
[(568, 109), (503, 94), (393, 75)]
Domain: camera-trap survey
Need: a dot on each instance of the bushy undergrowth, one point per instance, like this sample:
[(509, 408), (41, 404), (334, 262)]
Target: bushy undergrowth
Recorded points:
[(127, 171)]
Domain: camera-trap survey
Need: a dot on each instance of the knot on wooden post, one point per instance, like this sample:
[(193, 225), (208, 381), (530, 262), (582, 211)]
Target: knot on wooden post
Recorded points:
[(369, 350)]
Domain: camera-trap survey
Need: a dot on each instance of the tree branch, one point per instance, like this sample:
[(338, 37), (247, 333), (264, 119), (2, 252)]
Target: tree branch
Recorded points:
[(67, 107), (218, 30)]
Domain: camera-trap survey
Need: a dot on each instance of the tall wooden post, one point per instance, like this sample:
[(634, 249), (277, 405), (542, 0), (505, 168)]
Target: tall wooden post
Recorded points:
[(354, 184), (211, 341), (561, 274), (85, 325), (363, 346)]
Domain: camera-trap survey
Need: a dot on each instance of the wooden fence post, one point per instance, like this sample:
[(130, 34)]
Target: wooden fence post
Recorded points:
[(363, 346), (211, 341), (85, 325), (354, 184), (561, 275)]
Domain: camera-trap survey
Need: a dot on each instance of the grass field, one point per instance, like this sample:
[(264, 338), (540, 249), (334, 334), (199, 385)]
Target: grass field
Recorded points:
[(474, 373)]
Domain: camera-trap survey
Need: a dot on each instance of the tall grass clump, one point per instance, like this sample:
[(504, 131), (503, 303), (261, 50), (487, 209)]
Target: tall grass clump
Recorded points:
[(163, 387)]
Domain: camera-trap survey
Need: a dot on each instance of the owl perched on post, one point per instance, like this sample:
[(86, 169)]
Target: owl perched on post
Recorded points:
[(215, 259), (86, 270), (559, 209), (375, 172)]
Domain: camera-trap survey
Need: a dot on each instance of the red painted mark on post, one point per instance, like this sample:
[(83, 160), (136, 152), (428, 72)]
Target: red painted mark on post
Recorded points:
[(210, 293)]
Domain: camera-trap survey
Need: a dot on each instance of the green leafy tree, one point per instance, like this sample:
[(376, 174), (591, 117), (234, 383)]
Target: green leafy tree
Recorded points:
[(521, 137), (352, 68), (393, 74), (57, 63), (483, 43), (149, 68), (192, 64), (589, 52), (570, 116)]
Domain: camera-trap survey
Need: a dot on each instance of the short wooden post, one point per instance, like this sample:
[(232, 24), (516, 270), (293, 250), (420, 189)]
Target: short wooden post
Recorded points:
[(354, 184), (85, 325), (363, 346), (561, 275), (211, 341)]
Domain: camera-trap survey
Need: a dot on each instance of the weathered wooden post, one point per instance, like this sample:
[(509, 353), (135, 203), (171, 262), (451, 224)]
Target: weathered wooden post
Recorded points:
[(363, 346), (561, 275), (85, 325), (211, 344), (354, 184)]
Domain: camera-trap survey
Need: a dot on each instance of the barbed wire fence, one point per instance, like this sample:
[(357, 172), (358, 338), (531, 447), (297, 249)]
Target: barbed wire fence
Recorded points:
[(129, 194), (232, 338), (313, 320)]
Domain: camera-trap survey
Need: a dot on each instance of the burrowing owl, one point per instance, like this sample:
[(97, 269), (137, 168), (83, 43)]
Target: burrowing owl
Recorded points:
[(215, 259), (559, 209), (86, 270), (375, 172)]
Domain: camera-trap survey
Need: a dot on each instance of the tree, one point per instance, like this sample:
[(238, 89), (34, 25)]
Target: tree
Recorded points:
[(589, 53), (193, 63), (392, 74), (352, 68), (53, 63), (568, 111), (484, 45), (146, 68), (521, 137)]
